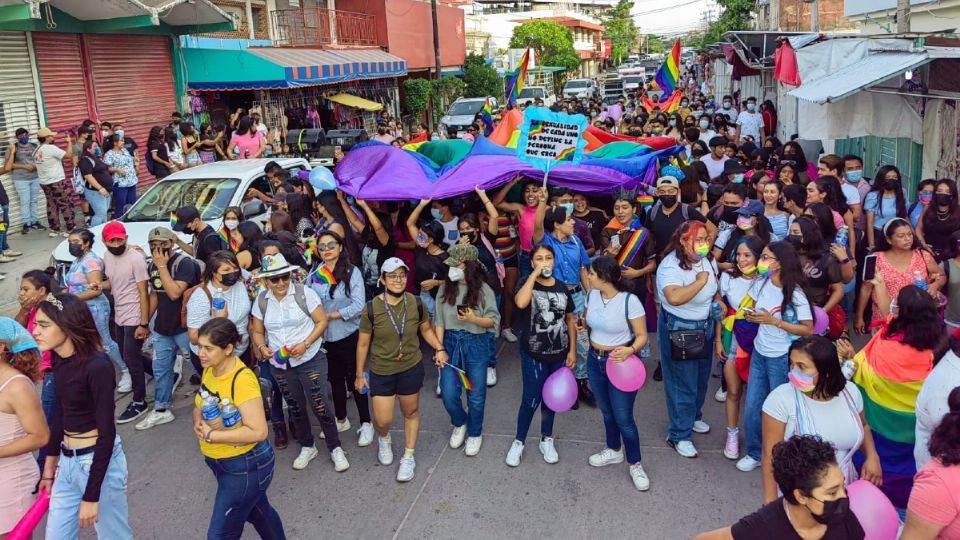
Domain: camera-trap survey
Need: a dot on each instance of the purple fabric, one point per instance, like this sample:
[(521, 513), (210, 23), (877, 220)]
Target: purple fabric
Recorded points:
[(614, 111)]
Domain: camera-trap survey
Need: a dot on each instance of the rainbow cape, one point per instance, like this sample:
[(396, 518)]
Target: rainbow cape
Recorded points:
[(224, 234), (323, 275), (668, 76), (517, 81), (889, 375), (486, 116), (282, 356)]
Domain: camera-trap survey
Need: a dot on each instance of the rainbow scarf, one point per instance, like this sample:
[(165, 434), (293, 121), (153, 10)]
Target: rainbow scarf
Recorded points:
[(668, 76), (515, 86), (282, 356), (889, 375), (486, 116), (224, 234), (323, 275), (628, 253)]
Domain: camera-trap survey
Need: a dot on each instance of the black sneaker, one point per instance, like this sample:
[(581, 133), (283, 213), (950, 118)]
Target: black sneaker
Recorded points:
[(26, 230), (134, 410), (39, 226), (658, 373)]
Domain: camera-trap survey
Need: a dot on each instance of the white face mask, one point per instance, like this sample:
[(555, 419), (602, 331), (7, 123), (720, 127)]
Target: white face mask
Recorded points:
[(455, 274), (231, 224)]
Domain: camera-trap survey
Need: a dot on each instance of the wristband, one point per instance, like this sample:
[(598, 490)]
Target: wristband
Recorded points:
[(206, 437), (844, 261), (47, 478), (441, 350)]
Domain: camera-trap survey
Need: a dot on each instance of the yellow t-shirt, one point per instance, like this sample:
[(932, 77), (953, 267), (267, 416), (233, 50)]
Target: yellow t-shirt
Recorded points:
[(247, 387)]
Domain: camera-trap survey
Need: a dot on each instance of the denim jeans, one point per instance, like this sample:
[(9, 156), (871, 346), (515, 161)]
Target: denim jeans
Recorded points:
[(492, 342), (534, 373), (48, 402), (138, 364), (68, 488), (29, 193), (616, 406), (308, 381), (5, 225), (99, 204), (164, 358), (242, 484), (123, 198), (276, 397), (100, 309), (526, 266), (684, 381), (583, 339), (469, 352), (766, 373), (429, 302)]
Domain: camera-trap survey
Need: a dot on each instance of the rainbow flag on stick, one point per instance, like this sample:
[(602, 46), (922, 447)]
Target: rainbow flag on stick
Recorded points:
[(463, 377), (668, 76), (486, 116), (323, 275), (282, 356), (515, 86)]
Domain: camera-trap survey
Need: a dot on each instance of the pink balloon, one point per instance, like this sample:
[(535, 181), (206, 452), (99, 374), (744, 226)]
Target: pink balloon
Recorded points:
[(23, 530), (560, 390), (874, 510), (628, 375), (821, 322)]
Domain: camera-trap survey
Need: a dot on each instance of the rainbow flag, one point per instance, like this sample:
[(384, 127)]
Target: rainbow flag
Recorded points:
[(323, 275), (486, 116), (463, 377), (889, 375), (517, 81), (173, 219), (632, 248), (224, 234), (668, 76), (282, 356)]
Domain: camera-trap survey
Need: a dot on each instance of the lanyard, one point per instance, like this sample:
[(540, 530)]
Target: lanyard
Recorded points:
[(398, 327)]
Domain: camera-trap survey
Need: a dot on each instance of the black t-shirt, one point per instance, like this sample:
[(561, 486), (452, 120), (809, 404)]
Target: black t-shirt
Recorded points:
[(429, 267), (159, 169), (167, 322), (543, 323), (207, 242), (375, 253), (98, 169), (821, 273), (663, 225), (130, 145), (597, 222), (771, 523)]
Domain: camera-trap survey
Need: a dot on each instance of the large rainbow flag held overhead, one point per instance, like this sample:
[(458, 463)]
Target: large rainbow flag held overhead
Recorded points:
[(515, 86), (668, 76)]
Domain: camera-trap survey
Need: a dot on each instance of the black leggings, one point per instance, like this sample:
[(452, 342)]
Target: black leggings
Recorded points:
[(131, 349), (342, 372)]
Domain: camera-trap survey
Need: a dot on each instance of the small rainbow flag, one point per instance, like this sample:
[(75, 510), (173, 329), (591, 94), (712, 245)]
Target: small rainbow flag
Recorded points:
[(515, 86), (486, 116), (173, 219), (224, 234), (282, 356), (463, 377), (632, 247), (645, 200), (323, 275), (669, 73)]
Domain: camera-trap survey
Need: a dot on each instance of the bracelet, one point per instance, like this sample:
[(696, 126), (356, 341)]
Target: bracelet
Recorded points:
[(47, 478), (844, 261), (441, 350), (206, 437), (143, 325)]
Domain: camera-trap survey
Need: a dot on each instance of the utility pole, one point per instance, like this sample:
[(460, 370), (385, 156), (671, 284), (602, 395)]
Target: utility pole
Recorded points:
[(815, 16), (436, 37), (903, 16)]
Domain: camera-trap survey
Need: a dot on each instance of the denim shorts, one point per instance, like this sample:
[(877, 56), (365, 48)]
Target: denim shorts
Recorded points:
[(405, 383)]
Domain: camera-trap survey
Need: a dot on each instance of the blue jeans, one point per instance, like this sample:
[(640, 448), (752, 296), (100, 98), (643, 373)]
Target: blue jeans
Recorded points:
[(276, 397), (469, 352), (164, 356), (242, 484), (100, 309), (766, 373), (534, 373), (429, 303), (29, 193), (583, 340), (123, 197), (526, 266), (684, 381), (48, 402), (5, 225), (616, 406), (99, 204), (68, 488)]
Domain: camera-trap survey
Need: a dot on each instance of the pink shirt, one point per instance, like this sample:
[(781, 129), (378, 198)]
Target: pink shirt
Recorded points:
[(935, 497), (527, 219), (125, 272), (247, 145)]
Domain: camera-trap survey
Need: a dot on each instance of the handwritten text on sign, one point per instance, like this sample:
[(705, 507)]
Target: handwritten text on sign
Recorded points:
[(552, 140)]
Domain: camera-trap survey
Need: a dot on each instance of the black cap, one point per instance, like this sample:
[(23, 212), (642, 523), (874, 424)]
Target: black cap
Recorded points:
[(21, 131), (185, 215), (733, 166), (718, 141)]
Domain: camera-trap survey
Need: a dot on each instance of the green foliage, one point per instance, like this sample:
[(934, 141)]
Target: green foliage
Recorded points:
[(622, 32), (553, 44), (654, 44), (418, 96), (447, 88), (736, 15), (480, 79)]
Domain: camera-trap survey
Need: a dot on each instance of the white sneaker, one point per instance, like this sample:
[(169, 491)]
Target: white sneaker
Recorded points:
[(549, 450), (731, 450), (365, 434), (6, 259), (684, 448), (473, 445), (307, 453), (514, 454), (606, 457), (53, 234), (456, 438), (155, 418), (385, 450), (747, 464), (720, 396), (12, 253), (177, 373), (126, 383), (408, 466), (700, 426), (508, 335), (491, 376), (343, 426), (639, 476), (340, 462)]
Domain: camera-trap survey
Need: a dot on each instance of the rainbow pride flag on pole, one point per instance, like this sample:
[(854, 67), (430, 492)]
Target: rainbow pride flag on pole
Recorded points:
[(486, 116), (515, 86), (668, 76)]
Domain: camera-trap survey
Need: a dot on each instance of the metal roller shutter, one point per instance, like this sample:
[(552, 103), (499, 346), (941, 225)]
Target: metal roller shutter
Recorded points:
[(134, 84), (18, 106)]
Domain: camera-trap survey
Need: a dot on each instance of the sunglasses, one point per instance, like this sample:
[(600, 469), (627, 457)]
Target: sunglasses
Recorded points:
[(279, 279), (328, 246)]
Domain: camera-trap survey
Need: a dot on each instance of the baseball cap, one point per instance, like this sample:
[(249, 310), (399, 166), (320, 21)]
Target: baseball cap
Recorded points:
[(751, 208), (392, 264), (113, 230), (43, 133), (718, 141), (461, 253), (733, 166), (21, 131), (668, 181), (184, 215), (161, 234)]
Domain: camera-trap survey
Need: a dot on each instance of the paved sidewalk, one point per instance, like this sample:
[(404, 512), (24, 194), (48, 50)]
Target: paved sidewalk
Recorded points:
[(36, 248)]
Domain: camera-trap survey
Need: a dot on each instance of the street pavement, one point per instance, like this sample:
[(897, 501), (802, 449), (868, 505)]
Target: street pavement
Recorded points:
[(36, 248)]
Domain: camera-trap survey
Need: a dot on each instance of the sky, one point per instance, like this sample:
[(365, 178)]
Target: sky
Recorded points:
[(670, 16)]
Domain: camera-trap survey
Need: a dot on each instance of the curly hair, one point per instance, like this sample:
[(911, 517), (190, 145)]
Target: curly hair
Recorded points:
[(26, 362), (800, 462), (945, 439)]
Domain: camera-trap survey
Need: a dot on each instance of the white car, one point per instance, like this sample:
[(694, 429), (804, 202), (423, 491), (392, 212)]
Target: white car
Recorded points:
[(529, 94), (579, 88), (211, 188)]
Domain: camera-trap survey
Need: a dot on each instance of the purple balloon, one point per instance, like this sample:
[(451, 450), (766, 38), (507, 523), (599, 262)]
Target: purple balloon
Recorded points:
[(874, 511), (627, 376), (822, 321), (560, 390)]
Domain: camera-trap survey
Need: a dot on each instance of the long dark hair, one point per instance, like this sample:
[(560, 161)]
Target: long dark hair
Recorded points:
[(221, 332), (74, 319), (823, 215), (830, 379), (281, 221), (791, 166), (832, 193), (474, 278), (763, 229), (156, 135), (791, 272), (343, 268), (918, 323), (244, 125), (170, 138), (252, 235), (812, 244), (297, 207), (215, 261), (799, 157), (890, 229), (755, 244), (40, 279), (898, 192), (954, 218), (945, 439), (607, 269), (331, 204)]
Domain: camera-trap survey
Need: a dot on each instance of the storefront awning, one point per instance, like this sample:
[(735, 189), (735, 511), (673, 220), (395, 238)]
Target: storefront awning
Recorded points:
[(356, 102), (264, 68), (116, 16), (868, 71)]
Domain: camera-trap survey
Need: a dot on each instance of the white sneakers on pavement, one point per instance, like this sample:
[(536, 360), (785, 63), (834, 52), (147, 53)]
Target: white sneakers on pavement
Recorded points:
[(473, 445), (155, 418), (639, 477), (307, 454), (548, 450), (407, 468), (125, 385), (515, 454), (508, 335), (700, 426), (720, 396), (385, 450), (606, 457), (684, 448), (457, 437), (747, 464), (340, 462), (365, 434), (731, 450), (341, 427), (491, 376)]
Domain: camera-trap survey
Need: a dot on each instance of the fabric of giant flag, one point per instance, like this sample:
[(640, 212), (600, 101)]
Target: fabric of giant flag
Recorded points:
[(668, 76)]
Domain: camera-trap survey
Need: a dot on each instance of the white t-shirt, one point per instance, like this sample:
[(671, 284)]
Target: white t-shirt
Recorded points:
[(49, 161), (730, 113), (705, 136), (932, 403), (608, 326), (450, 231), (714, 166), (670, 273), (851, 193), (238, 311), (287, 325), (733, 289), (772, 341), (750, 124)]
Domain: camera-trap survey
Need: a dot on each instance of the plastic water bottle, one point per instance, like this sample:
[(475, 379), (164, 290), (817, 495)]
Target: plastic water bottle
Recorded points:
[(231, 415), (218, 302), (210, 410), (919, 281), (842, 237), (366, 379), (716, 311)]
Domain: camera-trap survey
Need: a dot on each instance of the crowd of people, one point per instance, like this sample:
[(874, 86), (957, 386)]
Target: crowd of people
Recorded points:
[(749, 256)]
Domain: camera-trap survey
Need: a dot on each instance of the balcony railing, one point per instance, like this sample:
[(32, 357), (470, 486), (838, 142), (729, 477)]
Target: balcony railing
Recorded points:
[(306, 27)]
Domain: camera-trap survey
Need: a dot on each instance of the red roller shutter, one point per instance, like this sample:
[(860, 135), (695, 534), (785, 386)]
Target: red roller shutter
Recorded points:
[(133, 80), (60, 63)]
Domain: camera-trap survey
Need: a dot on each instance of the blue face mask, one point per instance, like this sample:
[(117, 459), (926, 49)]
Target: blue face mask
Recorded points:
[(854, 176), (436, 213), (568, 207), (709, 111), (738, 178), (96, 151), (119, 133), (727, 104), (704, 124), (434, 137), (24, 139), (697, 114), (673, 123), (683, 103), (751, 107)]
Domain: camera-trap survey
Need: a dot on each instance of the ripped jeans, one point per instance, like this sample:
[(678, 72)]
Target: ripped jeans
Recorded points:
[(534, 373), (309, 381)]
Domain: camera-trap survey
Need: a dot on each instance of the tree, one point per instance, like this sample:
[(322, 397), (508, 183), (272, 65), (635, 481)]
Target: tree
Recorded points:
[(653, 44), (736, 15), (480, 79), (418, 97), (621, 30), (553, 44)]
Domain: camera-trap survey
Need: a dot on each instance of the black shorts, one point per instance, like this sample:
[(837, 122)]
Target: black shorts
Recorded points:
[(513, 261), (405, 383)]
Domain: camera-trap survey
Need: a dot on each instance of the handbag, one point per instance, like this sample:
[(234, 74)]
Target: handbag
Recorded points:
[(689, 345)]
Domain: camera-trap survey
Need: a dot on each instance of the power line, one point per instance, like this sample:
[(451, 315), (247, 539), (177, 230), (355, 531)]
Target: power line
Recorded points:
[(665, 8)]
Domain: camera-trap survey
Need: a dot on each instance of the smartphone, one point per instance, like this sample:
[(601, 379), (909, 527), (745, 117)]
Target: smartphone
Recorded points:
[(615, 241), (869, 267), (338, 148), (749, 310), (462, 308)]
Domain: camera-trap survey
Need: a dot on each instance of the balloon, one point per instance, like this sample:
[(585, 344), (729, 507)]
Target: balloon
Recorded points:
[(822, 322), (628, 375), (560, 390), (322, 179), (23, 530), (874, 510)]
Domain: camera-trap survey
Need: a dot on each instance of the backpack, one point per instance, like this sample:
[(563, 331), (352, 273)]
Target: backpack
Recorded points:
[(684, 211), (186, 300), (150, 163), (420, 310), (298, 294)]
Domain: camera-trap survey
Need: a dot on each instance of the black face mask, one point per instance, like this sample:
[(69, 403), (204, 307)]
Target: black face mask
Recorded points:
[(833, 511), (230, 279), (729, 215), (393, 294), (796, 240), (668, 201), (75, 249), (943, 199), (890, 185), (117, 250)]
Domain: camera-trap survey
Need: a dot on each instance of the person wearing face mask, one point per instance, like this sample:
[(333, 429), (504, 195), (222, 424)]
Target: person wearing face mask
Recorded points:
[(727, 109), (126, 272), (717, 158), (724, 213), (706, 133), (232, 217), (674, 127), (814, 501), (750, 122), (98, 181), (940, 219), (668, 213), (824, 273), (733, 170), (206, 241), (532, 194), (581, 228), (25, 179), (124, 174), (924, 198), (750, 222), (221, 293), (48, 159), (685, 109)]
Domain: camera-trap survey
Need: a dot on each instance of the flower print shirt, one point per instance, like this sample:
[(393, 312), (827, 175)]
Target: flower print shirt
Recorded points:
[(76, 277), (122, 160)]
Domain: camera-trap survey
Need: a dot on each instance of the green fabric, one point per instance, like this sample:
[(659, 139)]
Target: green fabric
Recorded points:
[(617, 149), (448, 152), (894, 425)]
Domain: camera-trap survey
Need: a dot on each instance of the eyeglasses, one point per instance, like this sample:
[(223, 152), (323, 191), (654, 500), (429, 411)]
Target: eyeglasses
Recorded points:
[(279, 279), (766, 257), (329, 246), (401, 276)]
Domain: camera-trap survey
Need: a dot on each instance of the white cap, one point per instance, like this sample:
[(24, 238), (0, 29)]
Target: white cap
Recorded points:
[(392, 264)]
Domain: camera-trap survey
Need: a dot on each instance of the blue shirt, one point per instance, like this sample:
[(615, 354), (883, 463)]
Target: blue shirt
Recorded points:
[(569, 257), (349, 307), (882, 213)]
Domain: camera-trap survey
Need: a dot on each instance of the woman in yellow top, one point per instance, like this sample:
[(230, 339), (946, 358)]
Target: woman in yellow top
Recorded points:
[(239, 457)]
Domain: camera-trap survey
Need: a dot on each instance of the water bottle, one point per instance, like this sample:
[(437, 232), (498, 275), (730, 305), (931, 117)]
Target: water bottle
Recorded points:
[(366, 379), (231, 415), (842, 237), (499, 257), (218, 302), (919, 281), (210, 410), (716, 310)]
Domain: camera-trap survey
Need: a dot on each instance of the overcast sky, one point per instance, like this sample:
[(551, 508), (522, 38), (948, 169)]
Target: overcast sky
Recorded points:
[(670, 16)]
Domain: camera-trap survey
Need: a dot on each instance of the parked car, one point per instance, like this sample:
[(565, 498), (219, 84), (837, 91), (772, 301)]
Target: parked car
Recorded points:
[(211, 188), (462, 113), (529, 94), (612, 87), (632, 83), (579, 88)]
